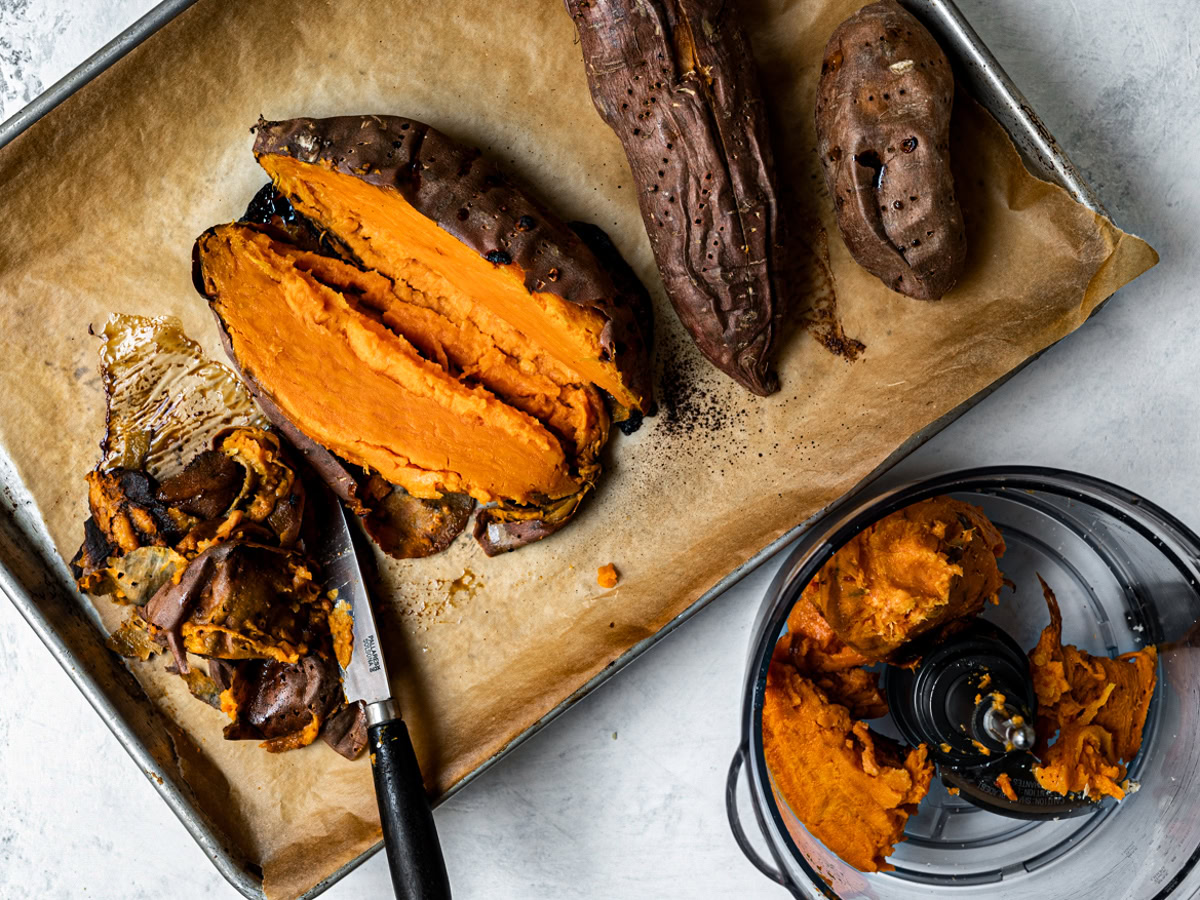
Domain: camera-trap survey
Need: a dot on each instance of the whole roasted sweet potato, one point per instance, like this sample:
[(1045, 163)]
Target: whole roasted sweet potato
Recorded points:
[(400, 308), (675, 80), (883, 133)]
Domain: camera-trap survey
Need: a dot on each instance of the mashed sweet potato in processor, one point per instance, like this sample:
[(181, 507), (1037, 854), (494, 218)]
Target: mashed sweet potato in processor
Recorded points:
[(1097, 706), (913, 571), (852, 789), (908, 574)]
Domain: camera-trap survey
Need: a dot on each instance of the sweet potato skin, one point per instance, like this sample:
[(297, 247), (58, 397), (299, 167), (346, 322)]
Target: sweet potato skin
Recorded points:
[(883, 133), (675, 80), (473, 200)]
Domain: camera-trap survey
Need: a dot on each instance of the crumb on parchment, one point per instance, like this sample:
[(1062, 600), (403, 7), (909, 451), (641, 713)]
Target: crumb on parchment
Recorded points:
[(607, 576)]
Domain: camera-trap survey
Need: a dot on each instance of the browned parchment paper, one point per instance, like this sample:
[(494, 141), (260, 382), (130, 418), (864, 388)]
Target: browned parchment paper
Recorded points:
[(100, 203)]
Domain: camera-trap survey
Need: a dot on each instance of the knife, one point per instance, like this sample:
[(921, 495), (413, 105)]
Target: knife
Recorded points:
[(409, 836)]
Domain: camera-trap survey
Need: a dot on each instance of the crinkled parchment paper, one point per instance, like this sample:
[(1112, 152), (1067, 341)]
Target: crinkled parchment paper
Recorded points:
[(100, 203)]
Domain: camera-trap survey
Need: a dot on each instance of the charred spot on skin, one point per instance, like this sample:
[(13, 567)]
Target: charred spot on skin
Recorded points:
[(632, 424), (526, 223), (268, 204), (498, 257)]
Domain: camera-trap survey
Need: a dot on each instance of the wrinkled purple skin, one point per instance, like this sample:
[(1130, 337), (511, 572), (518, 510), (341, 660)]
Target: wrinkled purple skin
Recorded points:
[(346, 730), (676, 82), (230, 569), (173, 603), (283, 697), (883, 135)]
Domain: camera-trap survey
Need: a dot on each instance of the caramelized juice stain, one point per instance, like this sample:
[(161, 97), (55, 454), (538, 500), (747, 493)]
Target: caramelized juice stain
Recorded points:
[(166, 400)]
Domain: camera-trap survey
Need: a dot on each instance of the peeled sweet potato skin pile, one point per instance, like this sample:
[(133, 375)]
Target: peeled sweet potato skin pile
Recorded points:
[(675, 81), (392, 197), (211, 562)]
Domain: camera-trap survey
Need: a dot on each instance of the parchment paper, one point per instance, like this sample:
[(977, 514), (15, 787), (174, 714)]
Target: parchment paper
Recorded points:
[(100, 203)]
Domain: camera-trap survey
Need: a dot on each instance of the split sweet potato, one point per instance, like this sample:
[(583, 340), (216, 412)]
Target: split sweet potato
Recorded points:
[(675, 80), (883, 134), (413, 315)]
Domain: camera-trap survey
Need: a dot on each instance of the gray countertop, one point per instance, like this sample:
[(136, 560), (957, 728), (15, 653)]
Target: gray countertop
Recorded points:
[(623, 796)]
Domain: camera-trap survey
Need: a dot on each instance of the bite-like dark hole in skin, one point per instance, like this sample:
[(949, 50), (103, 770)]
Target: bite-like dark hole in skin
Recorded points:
[(869, 159)]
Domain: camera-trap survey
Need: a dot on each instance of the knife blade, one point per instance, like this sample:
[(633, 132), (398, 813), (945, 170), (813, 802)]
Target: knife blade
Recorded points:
[(409, 835), (365, 678)]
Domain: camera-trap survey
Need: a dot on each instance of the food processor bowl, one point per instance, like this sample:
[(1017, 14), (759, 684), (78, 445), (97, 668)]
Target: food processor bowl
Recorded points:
[(1126, 574)]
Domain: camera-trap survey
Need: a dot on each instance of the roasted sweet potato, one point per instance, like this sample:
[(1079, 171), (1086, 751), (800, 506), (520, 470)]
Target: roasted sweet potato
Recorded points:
[(433, 326), (883, 134), (675, 80)]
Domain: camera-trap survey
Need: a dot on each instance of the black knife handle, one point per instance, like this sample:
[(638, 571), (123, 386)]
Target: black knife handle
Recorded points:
[(413, 851)]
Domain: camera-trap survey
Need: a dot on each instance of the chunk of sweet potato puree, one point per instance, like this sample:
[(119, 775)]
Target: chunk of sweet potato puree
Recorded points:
[(1097, 706), (908, 574), (364, 391), (852, 789), (387, 234), (810, 647), (812, 644), (1081, 760), (606, 576)]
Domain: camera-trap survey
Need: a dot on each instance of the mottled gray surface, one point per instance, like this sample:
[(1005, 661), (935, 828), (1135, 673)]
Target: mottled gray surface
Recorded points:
[(622, 797)]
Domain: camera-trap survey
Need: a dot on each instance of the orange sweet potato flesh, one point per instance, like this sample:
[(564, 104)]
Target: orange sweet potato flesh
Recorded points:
[(316, 333), (389, 235), (924, 567), (1097, 706), (852, 789)]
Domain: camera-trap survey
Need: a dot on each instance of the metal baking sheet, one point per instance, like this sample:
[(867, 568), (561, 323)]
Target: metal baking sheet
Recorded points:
[(37, 581)]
